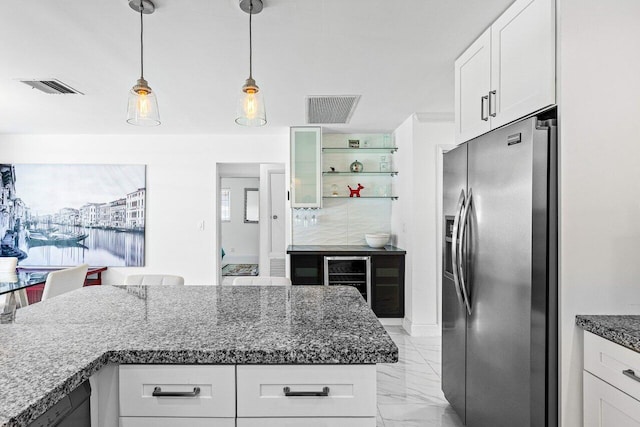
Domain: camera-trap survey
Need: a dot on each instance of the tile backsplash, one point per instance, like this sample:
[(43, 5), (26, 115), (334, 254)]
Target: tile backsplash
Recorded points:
[(341, 221)]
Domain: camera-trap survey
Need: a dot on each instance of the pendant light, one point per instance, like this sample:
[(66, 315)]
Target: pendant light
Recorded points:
[(143, 105), (251, 110)]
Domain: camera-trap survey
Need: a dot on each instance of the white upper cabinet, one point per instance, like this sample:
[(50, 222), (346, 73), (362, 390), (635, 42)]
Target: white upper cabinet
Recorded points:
[(521, 69), (473, 82), (522, 60), (306, 163)]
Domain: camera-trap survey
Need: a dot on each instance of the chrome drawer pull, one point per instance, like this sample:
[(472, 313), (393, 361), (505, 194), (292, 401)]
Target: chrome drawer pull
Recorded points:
[(323, 393), (631, 374), (157, 392)]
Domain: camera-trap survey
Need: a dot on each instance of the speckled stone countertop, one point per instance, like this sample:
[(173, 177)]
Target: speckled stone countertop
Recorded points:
[(623, 330), (55, 345), (344, 250)]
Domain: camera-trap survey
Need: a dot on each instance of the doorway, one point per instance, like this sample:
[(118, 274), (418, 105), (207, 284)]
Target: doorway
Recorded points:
[(251, 220)]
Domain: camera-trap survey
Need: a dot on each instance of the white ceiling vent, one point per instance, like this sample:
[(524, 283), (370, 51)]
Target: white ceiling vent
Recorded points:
[(51, 86), (331, 109)]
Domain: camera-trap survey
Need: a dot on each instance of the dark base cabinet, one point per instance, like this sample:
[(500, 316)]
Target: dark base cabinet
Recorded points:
[(307, 269), (387, 285), (387, 277)]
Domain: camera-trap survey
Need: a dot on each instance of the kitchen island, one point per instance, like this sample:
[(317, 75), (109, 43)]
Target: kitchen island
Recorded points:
[(54, 346)]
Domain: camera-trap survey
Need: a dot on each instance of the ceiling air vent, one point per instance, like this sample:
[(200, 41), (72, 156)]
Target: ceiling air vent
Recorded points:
[(331, 109), (51, 86)]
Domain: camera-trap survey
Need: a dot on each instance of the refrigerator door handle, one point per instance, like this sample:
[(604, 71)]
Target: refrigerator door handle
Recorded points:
[(463, 228), (454, 246)]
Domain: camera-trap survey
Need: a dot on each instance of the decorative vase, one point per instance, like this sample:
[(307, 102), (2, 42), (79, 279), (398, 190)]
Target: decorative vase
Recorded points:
[(356, 166)]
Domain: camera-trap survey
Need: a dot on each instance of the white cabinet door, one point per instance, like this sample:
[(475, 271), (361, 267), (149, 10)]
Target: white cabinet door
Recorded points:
[(177, 391), (606, 406), (306, 173), (472, 86), (176, 422), (307, 422), (522, 61), (306, 391)]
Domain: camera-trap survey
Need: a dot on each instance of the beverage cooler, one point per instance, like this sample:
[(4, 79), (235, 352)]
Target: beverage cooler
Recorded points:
[(349, 271)]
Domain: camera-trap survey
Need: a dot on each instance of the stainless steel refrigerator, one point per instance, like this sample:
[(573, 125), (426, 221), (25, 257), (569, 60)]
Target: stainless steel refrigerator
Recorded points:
[(499, 284)]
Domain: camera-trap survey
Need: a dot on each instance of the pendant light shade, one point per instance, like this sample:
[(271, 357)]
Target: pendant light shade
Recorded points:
[(251, 106), (142, 109), (251, 111), (143, 105)]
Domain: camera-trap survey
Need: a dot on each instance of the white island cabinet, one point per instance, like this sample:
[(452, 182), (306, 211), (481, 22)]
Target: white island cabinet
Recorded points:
[(611, 384), (264, 395), (508, 72), (177, 395)]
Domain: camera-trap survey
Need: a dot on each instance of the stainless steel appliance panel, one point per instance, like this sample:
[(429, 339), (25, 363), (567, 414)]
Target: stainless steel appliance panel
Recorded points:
[(453, 309), (500, 245)]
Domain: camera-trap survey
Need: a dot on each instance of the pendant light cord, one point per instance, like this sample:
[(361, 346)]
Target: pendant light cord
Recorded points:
[(141, 41), (250, 44)]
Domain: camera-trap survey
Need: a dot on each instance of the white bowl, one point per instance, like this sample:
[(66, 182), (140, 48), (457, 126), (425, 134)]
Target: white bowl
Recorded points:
[(377, 240)]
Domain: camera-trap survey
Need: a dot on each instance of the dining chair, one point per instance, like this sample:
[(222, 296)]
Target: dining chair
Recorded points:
[(8, 264), (153, 279), (62, 281), (8, 272), (261, 281)]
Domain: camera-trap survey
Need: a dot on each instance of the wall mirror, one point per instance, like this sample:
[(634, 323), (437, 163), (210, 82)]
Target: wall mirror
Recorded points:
[(251, 205)]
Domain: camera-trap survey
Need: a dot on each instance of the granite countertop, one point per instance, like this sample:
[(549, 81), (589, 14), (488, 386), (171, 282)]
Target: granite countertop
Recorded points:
[(344, 250), (55, 345), (623, 330)]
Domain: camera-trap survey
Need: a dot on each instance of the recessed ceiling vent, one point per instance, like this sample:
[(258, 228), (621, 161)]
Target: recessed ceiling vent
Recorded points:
[(52, 86), (331, 109)]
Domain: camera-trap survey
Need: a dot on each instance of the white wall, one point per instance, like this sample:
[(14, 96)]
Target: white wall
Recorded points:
[(599, 98), (181, 187), (240, 240), (415, 220)]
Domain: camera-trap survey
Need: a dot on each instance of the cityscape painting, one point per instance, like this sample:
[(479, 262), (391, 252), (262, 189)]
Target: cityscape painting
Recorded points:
[(63, 215)]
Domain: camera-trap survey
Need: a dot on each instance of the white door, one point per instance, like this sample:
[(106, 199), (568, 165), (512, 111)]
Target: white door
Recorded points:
[(472, 86), (277, 186), (522, 61), (273, 230)]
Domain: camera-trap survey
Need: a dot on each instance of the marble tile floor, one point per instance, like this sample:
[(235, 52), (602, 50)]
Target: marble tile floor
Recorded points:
[(409, 391)]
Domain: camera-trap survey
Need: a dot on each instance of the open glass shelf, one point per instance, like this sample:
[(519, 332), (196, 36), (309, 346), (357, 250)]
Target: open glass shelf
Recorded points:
[(354, 150), (390, 173)]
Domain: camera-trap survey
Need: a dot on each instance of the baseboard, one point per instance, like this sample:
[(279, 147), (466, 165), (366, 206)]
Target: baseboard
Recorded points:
[(420, 330), (390, 321)]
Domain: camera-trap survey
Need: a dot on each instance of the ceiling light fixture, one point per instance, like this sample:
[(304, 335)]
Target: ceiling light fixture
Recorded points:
[(143, 105), (251, 111)]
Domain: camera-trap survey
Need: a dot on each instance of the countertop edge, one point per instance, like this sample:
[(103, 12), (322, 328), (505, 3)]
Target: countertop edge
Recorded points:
[(344, 249), (615, 328)]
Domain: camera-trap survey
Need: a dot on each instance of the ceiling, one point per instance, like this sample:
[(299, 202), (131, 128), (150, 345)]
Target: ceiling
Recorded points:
[(397, 54)]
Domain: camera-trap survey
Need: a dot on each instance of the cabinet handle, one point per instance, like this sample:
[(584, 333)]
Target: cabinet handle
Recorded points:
[(482, 103), (323, 393), (492, 104), (157, 392), (631, 374)]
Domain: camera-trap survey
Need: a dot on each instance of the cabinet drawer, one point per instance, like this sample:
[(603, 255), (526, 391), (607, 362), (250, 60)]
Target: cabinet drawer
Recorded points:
[(608, 360), (176, 422), (216, 397), (606, 406), (307, 422), (351, 391)]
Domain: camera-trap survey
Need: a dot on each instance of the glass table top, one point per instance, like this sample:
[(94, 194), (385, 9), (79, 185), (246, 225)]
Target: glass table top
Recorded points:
[(10, 282)]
